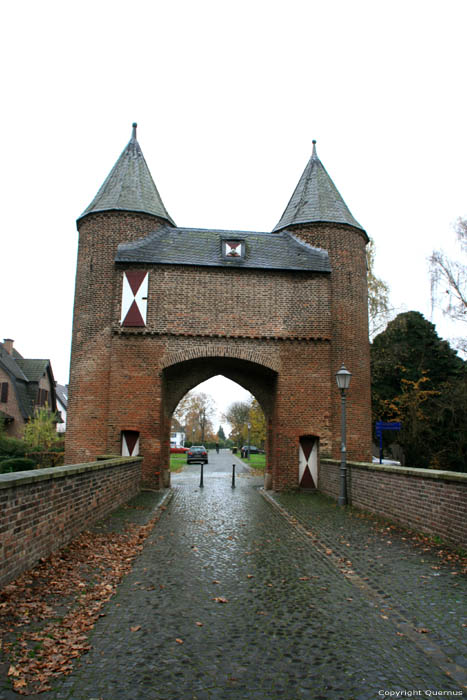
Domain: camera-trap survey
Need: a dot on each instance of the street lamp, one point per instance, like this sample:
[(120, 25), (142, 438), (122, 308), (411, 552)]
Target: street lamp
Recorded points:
[(249, 428), (343, 377)]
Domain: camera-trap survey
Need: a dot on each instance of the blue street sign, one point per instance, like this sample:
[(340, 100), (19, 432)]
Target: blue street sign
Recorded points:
[(394, 425), (380, 426)]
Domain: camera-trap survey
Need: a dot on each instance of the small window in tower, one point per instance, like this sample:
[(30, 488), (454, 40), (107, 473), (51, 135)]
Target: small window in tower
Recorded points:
[(233, 249)]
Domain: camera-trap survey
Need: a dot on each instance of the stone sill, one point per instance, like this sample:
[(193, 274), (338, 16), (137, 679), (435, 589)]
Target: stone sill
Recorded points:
[(406, 471), (34, 475)]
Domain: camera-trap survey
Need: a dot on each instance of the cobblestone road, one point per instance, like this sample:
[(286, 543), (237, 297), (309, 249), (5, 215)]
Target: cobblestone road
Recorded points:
[(300, 621)]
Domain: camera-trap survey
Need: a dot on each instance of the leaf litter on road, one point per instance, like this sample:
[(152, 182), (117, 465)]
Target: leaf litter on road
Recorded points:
[(48, 612)]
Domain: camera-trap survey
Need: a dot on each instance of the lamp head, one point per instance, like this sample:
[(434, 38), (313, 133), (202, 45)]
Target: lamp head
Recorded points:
[(343, 377)]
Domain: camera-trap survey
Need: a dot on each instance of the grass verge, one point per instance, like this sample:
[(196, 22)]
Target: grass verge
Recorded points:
[(256, 462), (177, 462)]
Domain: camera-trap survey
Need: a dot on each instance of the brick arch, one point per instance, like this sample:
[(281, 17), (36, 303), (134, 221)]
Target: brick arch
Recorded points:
[(258, 356), (182, 375), (179, 378)]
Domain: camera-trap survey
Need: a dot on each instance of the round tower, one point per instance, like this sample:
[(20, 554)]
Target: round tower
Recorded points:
[(317, 214), (127, 207)]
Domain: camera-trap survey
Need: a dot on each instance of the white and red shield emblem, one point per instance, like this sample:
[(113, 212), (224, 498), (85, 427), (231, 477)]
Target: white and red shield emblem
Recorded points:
[(134, 298)]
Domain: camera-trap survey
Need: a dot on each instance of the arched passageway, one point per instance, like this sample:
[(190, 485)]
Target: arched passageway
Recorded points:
[(181, 377)]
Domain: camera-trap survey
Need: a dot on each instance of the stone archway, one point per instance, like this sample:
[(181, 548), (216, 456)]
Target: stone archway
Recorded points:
[(182, 376)]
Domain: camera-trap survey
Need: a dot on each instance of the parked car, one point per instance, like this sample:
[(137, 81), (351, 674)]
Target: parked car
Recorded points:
[(197, 454), (178, 450), (253, 450)]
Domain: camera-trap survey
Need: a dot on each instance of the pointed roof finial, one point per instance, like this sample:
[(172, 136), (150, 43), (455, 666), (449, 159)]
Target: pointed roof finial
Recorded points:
[(314, 154), (133, 133)]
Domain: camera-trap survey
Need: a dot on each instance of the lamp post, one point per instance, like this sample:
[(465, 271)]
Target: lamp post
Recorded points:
[(343, 377), (249, 428)]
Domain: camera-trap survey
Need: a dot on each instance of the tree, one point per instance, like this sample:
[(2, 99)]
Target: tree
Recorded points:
[(418, 378), (239, 414), (195, 412), (221, 434), (379, 311), (40, 433), (449, 282), (258, 424)]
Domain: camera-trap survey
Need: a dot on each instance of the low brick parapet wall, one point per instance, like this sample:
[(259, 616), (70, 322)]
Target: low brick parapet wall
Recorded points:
[(43, 509), (426, 500)]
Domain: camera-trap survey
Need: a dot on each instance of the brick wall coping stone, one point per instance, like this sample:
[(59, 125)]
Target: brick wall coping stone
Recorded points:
[(28, 477), (406, 471)]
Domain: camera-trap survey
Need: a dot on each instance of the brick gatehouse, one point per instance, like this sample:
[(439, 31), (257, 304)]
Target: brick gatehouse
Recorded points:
[(159, 309)]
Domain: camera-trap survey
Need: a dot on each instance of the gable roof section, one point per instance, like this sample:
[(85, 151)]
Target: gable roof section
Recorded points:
[(129, 186), (203, 247), (33, 369), (316, 199)]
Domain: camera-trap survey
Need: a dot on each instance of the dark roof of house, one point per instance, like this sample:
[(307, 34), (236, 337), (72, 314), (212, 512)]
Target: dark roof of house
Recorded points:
[(10, 364), (316, 199), (203, 247), (33, 369), (129, 186), (25, 375)]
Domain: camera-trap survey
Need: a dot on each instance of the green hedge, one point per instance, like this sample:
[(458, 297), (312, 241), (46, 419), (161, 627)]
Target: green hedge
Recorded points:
[(12, 446), (16, 464)]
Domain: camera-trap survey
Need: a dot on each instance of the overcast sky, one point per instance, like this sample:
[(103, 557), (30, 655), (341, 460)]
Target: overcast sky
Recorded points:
[(228, 97)]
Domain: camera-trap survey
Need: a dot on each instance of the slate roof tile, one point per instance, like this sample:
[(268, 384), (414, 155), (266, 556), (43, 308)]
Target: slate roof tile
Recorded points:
[(129, 186), (316, 199), (190, 246)]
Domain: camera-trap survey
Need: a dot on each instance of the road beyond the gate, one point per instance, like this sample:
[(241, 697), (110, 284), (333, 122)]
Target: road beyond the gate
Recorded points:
[(235, 596)]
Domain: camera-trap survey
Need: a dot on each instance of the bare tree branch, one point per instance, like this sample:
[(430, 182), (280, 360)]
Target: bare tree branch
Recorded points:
[(449, 279)]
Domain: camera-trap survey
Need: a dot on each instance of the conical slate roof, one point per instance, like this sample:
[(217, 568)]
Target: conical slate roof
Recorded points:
[(129, 186), (316, 198)]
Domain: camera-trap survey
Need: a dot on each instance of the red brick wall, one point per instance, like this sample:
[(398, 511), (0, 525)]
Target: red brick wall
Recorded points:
[(221, 302), (42, 510), (425, 500)]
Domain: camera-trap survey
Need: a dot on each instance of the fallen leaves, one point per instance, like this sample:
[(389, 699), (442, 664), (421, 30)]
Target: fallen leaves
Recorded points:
[(220, 600), (179, 641), (49, 611)]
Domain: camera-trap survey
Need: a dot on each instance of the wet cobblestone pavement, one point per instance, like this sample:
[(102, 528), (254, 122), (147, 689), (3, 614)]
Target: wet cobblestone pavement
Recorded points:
[(236, 598)]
